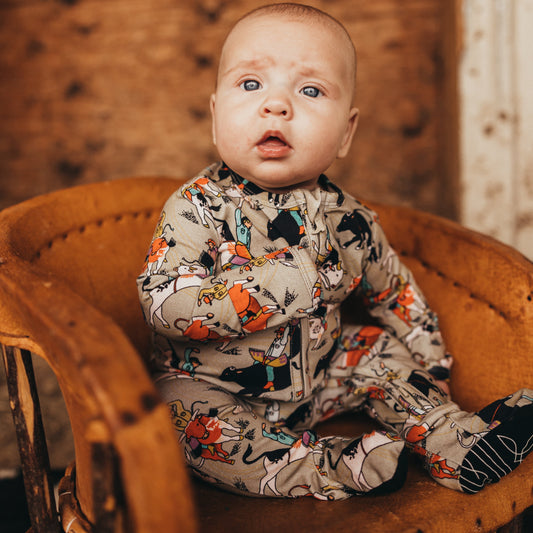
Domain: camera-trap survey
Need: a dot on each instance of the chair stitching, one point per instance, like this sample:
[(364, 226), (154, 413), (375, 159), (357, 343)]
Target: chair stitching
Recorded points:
[(455, 283), (149, 212), (81, 229)]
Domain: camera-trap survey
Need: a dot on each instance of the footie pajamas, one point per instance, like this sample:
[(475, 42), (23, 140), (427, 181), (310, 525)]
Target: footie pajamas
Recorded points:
[(243, 289)]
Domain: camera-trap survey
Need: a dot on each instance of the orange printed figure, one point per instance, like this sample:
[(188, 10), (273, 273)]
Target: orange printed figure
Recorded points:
[(158, 248), (200, 331), (359, 345), (253, 316), (406, 301)]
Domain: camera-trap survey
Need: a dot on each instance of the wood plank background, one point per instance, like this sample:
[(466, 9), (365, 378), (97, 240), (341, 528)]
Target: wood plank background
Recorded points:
[(93, 90)]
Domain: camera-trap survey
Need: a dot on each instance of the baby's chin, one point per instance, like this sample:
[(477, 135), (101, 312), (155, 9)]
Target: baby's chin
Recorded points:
[(280, 182), (282, 190)]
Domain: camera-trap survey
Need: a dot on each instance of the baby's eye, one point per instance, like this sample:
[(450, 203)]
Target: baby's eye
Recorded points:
[(250, 85), (312, 92)]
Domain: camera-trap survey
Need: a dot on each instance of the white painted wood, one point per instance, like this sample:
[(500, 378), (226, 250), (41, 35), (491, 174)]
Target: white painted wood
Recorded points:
[(524, 133), (496, 120)]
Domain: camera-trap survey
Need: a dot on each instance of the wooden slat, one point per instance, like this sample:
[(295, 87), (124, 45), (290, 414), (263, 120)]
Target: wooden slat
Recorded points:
[(107, 490), (26, 411)]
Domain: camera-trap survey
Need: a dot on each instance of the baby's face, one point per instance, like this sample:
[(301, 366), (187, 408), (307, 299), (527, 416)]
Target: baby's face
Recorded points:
[(282, 109)]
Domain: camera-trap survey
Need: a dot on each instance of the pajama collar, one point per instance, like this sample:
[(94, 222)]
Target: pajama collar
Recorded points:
[(327, 193)]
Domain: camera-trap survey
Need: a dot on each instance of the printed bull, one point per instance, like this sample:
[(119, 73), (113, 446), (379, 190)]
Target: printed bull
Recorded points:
[(205, 436), (253, 379), (357, 224)]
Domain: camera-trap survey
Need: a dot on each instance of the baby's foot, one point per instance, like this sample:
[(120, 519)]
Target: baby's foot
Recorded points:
[(507, 442)]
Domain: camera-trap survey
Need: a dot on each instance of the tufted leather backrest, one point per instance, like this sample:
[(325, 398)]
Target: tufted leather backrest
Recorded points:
[(94, 239), (482, 292)]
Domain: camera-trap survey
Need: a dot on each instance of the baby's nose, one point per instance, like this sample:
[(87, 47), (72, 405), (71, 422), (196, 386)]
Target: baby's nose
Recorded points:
[(277, 105)]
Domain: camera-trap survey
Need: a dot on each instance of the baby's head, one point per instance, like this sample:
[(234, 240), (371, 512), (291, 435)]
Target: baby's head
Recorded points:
[(282, 110)]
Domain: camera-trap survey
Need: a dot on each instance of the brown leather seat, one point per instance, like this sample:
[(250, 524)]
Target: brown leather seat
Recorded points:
[(68, 262)]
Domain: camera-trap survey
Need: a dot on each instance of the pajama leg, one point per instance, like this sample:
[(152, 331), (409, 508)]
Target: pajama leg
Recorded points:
[(463, 451), (242, 446)]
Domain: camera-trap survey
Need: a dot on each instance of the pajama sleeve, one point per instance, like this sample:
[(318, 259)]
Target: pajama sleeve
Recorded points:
[(395, 300), (184, 290)]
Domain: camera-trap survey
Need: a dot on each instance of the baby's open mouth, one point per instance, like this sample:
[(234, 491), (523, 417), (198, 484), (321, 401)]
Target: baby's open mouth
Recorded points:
[(272, 140), (273, 145)]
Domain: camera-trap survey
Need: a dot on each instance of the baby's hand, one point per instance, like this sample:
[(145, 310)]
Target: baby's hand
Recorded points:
[(444, 387)]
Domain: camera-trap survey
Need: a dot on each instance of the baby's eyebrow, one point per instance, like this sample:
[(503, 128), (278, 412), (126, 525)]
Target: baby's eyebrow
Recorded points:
[(249, 64), (308, 71), (311, 72)]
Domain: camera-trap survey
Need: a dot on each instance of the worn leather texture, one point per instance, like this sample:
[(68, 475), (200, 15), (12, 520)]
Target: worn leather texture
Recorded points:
[(68, 263)]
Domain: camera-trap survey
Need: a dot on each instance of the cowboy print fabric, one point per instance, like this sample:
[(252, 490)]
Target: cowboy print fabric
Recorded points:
[(242, 287)]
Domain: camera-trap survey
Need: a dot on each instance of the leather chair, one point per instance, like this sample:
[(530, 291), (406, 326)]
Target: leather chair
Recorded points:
[(68, 263)]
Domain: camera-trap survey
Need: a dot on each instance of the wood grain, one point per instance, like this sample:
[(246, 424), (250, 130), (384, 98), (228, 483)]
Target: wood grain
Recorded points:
[(95, 90)]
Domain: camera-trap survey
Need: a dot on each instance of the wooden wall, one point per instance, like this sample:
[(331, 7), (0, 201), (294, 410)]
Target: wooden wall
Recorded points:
[(96, 89), (495, 81)]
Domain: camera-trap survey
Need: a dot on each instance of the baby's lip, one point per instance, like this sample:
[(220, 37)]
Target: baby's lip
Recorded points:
[(273, 137)]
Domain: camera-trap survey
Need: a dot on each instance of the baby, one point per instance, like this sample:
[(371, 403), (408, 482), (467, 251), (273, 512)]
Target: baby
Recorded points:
[(243, 284)]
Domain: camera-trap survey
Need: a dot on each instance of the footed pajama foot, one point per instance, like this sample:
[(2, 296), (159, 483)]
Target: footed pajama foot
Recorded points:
[(377, 462), (466, 451), (506, 444)]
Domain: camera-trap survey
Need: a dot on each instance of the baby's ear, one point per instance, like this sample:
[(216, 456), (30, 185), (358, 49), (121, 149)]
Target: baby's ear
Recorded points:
[(349, 133), (213, 128)]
